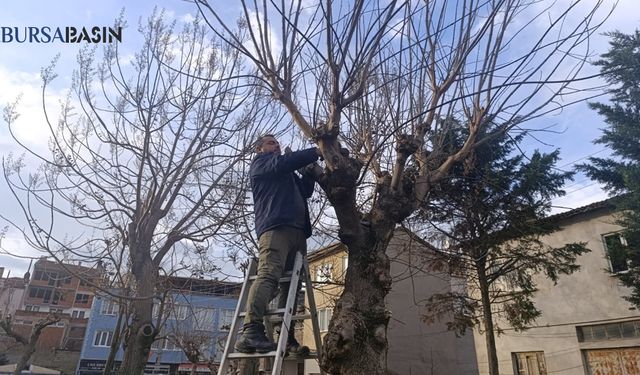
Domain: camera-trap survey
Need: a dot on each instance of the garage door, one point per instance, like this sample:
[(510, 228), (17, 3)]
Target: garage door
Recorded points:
[(619, 361)]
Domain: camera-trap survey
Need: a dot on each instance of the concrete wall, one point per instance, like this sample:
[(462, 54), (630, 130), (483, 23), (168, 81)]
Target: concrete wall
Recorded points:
[(589, 296), (415, 347)]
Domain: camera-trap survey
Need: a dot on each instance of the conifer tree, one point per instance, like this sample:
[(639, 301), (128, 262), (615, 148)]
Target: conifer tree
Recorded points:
[(620, 173), (492, 212)]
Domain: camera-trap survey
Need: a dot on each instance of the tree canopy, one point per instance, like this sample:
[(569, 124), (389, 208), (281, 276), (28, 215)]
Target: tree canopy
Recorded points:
[(620, 173), (491, 212)]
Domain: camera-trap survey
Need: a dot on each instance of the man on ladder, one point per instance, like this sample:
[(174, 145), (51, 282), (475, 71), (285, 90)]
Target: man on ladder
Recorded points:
[(283, 226)]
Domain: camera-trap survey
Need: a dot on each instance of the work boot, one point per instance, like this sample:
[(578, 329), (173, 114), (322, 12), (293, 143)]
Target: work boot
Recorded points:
[(252, 339), (294, 348)]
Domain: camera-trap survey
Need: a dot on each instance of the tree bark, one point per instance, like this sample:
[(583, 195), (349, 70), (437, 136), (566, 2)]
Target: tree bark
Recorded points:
[(141, 331), (357, 339), (492, 355), (27, 352), (30, 344)]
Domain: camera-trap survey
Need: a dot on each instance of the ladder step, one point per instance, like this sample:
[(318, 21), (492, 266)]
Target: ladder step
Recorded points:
[(275, 315), (252, 355), (266, 313), (276, 319), (311, 355), (284, 279)]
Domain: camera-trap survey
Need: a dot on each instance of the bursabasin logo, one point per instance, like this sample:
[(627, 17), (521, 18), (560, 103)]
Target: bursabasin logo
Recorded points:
[(68, 34)]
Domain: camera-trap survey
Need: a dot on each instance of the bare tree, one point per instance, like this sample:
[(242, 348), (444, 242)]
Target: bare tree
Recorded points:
[(29, 344), (375, 78), (141, 159)]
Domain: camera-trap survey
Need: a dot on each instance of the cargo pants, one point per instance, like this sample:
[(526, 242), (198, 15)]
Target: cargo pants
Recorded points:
[(277, 251)]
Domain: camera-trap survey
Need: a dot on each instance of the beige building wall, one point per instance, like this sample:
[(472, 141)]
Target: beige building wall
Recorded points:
[(11, 295), (415, 347), (590, 296)]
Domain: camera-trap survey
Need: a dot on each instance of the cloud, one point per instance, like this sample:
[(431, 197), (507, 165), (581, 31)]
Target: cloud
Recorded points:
[(31, 127), (187, 18)]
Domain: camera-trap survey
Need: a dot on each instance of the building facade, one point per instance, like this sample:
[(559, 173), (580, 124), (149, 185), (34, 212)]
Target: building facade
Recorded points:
[(415, 347), (197, 313), (66, 290), (586, 326), (11, 293)]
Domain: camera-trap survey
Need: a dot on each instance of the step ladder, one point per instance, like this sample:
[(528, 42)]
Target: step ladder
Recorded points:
[(284, 315)]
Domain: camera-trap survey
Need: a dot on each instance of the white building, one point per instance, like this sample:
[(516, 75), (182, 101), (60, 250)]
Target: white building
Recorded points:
[(586, 326)]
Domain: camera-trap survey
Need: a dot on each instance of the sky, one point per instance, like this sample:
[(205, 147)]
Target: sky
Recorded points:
[(20, 64)]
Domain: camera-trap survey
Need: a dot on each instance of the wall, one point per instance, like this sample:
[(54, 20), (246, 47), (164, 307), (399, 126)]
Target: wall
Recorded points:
[(589, 296), (100, 321), (415, 347)]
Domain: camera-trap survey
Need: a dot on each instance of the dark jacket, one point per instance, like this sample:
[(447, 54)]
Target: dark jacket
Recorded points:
[(274, 185)]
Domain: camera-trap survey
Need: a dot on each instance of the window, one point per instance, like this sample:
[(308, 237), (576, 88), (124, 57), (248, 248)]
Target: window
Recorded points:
[(324, 273), (82, 298), (167, 343), (103, 338), (53, 278), (77, 314), (203, 319), (55, 311), (324, 316), (529, 363), (225, 319), (40, 293), (170, 344), (57, 297), (109, 307), (171, 310), (179, 312), (32, 308), (611, 331), (615, 246), (86, 282)]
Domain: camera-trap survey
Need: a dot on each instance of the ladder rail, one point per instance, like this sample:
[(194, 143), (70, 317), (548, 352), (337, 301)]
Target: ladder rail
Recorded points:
[(313, 311), (233, 330), (300, 272), (288, 313)]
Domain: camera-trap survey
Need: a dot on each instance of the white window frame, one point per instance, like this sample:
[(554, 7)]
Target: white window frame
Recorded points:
[(102, 339), (521, 367), (203, 318), (225, 318), (623, 242), (76, 314), (109, 307), (324, 317), (179, 312), (81, 301), (324, 273), (170, 345)]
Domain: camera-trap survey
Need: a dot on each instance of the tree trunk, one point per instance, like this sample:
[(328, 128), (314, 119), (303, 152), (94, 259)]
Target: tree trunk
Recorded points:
[(141, 332), (194, 369), (492, 355), (115, 343), (27, 352), (357, 339)]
